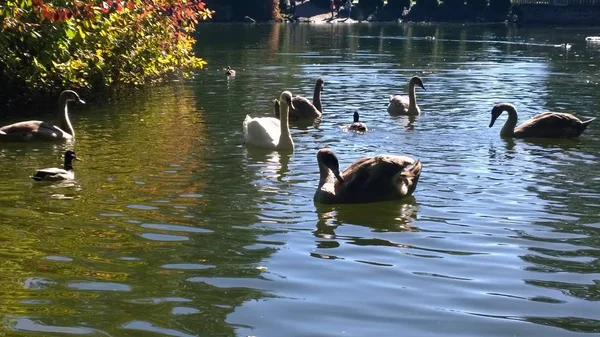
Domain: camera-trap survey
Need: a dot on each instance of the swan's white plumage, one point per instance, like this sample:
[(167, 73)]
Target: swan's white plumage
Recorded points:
[(262, 131), (270, 132)]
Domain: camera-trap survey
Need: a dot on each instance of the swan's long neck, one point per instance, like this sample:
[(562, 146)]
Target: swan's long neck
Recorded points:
[(412, 97), (508, 129), (63, 117), (285, 138), (325, 174), (317, 98)]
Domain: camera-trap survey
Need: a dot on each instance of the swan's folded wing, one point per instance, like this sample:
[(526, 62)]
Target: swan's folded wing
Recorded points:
[(400, 101), (398, 105), (550, 123), (263, 131), (358, 173), (21, 127), (303, 107), (390, 165)]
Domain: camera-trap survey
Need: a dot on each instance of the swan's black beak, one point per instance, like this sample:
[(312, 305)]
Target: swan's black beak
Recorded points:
[(292, 107), (338, 176), (494, 117), (423, 87)]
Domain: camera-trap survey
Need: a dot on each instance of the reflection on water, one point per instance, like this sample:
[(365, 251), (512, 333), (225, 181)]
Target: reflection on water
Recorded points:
[(174, 228)]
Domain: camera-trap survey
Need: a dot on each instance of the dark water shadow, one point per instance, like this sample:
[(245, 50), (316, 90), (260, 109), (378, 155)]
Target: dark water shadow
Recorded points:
[(389, 216)]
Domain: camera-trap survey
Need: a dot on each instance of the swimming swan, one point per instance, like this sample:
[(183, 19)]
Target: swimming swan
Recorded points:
[(406, 105), (38, 130), (369, 179), (303, 108), (270, 132), (544, 125), (54, 173)]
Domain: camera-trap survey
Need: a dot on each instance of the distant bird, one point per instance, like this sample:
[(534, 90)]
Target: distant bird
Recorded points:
[(406, 105), (229, 71), (544, 125), (44, 131), (357, 125), (54, 173)]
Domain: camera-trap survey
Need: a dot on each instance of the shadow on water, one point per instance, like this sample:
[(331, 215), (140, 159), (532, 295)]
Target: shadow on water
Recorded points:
[(390, 216)]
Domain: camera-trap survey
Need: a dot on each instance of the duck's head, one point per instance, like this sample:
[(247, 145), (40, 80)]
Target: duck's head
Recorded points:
[(327, 158), (320, 83), (69, 157), (417, 81), (70, 96), (286, 97), (497, 110), (356, 117)]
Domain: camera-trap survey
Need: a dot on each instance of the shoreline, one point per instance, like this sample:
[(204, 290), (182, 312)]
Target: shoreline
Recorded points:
[(522, 14)]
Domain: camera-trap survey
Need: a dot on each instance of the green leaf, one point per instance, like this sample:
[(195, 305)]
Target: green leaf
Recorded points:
[(70, 33)]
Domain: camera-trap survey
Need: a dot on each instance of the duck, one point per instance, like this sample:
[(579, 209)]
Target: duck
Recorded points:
[(45, 131), (369, 179), (545, 125), (229, 71), (303, 108), (269, 132), (356, 125), (406, 105), (55, 173)]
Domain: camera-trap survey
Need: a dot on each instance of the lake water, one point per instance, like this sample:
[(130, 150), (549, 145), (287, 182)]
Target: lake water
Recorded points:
[(174, 228)]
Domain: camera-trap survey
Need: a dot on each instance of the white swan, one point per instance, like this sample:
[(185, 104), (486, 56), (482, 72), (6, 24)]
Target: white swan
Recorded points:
[(269, 132)]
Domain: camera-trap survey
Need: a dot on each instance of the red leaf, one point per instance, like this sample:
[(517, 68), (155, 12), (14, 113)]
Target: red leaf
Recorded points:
[(130, 5), (119, 7), (104, 7)]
